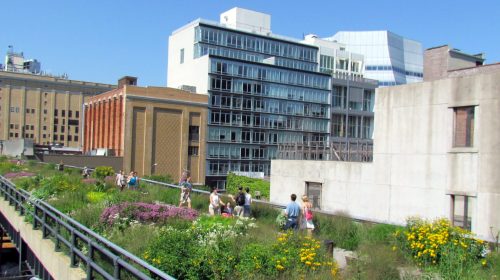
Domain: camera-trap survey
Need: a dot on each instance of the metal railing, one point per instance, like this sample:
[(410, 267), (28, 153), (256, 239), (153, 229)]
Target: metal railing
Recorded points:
[(98, 255)]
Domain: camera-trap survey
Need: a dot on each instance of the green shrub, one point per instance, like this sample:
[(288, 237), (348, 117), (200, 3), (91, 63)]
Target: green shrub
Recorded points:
[(380, 233), (342, 230), (160, 178), (101, 172), (375, 261), (437, 245), (233, 181)]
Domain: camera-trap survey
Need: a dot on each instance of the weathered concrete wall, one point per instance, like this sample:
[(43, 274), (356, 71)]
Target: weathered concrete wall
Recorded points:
[(56, 263), (89, 161), (415, 169)]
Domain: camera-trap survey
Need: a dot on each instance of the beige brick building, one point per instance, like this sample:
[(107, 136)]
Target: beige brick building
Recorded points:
[(157, 130), (45, 109)]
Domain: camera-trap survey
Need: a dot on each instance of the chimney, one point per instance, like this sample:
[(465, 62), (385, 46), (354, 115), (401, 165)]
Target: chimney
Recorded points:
[(127, 80)]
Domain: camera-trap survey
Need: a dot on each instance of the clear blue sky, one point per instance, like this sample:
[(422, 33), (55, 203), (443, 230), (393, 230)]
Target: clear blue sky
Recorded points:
[(103, 40)]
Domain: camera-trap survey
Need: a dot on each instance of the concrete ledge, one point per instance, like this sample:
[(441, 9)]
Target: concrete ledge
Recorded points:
[(56, 263)]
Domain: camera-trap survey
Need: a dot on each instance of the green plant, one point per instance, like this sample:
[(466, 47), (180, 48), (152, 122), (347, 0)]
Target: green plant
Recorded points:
[(160, 178), (437, 245), (342, 230), (102, 171), (233, 181)]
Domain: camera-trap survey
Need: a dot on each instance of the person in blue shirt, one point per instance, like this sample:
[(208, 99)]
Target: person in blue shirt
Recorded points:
[(292, 213)]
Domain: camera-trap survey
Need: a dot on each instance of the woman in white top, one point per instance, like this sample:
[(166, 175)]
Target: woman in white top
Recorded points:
[(215, 203)]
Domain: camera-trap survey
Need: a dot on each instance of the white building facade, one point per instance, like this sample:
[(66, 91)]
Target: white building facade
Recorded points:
[(436, 154), (389, 58)]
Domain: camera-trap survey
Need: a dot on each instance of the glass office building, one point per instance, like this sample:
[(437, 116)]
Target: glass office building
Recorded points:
[(263, 90), (389, 58)]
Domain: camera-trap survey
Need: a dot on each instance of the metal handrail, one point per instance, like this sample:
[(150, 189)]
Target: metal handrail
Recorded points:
[(51, 221)]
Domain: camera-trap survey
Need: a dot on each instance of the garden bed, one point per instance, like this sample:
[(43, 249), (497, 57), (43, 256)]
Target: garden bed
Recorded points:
[(190, 245)]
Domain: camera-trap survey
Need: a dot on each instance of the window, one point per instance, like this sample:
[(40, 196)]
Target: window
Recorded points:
[(12, 109), (61, 137), (32, 111), (76, 129), (69, 138), (192, 151), (182, 56), (70, 114), (63, 113), (32, 127), (45, 111), (75, 138), (55, 112), (44, 135), (462, 210), (194, 133), (77, 114), (62, 128), (313, 192), (464, 127)]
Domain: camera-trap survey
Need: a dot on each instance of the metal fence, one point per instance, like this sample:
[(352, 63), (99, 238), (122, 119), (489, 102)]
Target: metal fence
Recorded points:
[(97, 255)]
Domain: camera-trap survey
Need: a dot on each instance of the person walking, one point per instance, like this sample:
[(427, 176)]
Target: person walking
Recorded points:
[(307, 215), (292, 213), (120, 180), (132, 180), (186, 188), (215, 202), (240, 202), (248, 202)]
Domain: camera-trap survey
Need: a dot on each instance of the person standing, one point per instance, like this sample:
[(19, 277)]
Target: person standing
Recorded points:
[(292, 213), (307, 215), (215, 203), (132, 180), (248, 202)]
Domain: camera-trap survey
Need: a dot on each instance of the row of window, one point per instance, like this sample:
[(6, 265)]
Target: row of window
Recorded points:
[(255, 136), (44, 128), (44, 136), (70, 113), (360, 99), (268, 121), (254, 43), (254, 104), (352, 126), (239, 152), (393, 68), (269, 74), (268, 90), (203, 49), (222, 168), (327, 63)]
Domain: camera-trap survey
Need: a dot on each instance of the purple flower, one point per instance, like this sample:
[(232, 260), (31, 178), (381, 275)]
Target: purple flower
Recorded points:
[(146, 212)]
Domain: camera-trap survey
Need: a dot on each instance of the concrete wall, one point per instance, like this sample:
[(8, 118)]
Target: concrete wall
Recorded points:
[(56, 263), (415, 169), (16, 147), (89, 161)]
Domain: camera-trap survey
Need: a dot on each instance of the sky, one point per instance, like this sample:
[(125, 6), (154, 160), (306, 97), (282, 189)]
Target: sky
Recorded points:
[(103, 40)]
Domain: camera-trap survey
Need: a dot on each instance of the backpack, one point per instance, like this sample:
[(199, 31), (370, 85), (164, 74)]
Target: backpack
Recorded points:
[(132, 181), (240, 200)]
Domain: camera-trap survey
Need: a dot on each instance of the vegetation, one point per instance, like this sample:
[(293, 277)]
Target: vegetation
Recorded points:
[(191, 245), (234, 181)]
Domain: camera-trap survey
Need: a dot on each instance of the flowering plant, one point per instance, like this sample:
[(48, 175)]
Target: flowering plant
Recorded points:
[(145, 213)]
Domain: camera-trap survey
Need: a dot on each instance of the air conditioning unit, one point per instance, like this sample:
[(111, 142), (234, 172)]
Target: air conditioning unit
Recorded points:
[(191, 89)]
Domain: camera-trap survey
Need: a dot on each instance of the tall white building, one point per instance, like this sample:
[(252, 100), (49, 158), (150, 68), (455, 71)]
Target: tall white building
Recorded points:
[(265, 89), (389, 58)]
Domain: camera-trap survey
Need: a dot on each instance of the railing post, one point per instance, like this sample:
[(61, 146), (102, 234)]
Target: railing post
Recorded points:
[(72, 248), (116, 272), (44, 224), (34, 216), (90, 259), (58, 242)]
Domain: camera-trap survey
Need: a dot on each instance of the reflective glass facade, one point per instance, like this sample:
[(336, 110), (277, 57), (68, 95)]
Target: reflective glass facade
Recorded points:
[(262, 91)]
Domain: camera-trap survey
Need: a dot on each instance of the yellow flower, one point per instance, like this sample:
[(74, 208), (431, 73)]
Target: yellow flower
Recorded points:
[(394, 248), (280, 267)]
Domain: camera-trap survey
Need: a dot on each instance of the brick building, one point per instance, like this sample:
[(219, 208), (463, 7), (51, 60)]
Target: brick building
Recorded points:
[(156, 130), (43, 108)]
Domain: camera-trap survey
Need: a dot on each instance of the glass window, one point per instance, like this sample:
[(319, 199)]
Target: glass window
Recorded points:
[(182, 56), (464, 127), (313, 192), (192, 151), (194, 133)]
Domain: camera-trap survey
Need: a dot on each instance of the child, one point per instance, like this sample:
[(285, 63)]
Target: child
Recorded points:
[(228, 211)]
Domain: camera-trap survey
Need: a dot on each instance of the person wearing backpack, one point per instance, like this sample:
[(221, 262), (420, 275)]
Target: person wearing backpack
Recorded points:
[(307, 215), (132, 180), (240, 202)]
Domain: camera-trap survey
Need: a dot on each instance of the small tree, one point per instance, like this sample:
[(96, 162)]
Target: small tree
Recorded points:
[(101, 172)]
